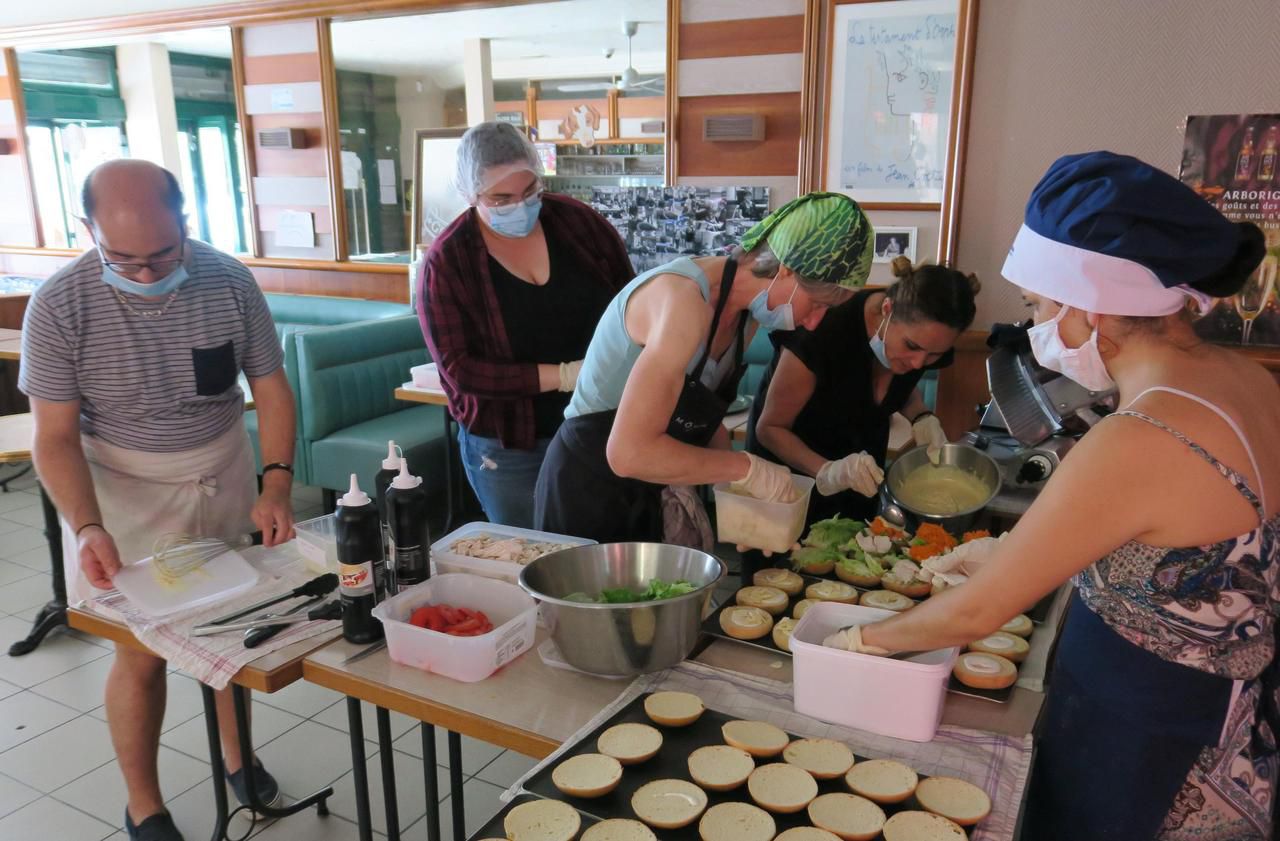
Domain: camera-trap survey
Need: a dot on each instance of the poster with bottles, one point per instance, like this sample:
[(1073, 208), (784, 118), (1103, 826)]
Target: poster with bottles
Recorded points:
[(1233, 161)]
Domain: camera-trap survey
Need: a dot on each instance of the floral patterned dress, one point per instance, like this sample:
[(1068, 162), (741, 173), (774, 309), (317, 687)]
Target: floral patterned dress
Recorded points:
[(1211, 609)]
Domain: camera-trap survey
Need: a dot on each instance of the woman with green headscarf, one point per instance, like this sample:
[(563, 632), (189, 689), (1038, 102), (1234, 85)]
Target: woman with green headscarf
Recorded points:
[(664, 365)]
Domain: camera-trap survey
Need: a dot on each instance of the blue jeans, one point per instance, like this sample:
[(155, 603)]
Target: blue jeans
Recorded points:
[(503, 479)]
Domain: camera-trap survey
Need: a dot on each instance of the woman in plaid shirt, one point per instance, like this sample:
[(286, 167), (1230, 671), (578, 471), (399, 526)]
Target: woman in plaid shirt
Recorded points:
[(509, 296)]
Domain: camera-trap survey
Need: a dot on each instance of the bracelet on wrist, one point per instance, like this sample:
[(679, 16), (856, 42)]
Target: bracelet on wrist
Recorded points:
[(87, 525), (926, 413), (278, 465)]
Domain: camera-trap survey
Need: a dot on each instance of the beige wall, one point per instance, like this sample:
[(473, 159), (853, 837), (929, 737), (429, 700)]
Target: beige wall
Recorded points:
[(417, 109), (1053, 78)]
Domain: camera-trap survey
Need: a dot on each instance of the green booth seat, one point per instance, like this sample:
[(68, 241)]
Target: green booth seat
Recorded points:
[(347, 377)]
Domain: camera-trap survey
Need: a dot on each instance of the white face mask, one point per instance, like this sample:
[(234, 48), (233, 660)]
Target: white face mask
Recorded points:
[(1083, 364)]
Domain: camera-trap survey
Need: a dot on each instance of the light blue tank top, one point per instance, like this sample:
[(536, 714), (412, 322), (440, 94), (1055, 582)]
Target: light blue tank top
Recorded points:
[(612, 354)]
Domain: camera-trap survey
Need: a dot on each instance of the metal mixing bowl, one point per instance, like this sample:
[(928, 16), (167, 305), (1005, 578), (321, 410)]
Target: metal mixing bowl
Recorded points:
[(963, 456), (622, 639)]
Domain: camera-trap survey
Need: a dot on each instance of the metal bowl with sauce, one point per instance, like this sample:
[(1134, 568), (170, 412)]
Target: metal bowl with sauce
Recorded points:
[(969, 459)]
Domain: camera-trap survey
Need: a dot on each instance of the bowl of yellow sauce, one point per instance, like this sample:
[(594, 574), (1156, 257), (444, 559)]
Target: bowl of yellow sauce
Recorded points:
[(950, 493)]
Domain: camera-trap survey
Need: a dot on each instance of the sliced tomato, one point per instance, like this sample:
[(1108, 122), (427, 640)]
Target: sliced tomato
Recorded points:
[(466, 626), (419, 616)]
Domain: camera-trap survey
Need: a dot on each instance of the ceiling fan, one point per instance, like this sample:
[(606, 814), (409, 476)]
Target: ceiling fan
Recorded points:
[(630, 78)]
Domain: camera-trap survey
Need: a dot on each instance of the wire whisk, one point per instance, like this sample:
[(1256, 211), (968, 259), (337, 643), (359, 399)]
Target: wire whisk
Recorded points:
[(175, 555)]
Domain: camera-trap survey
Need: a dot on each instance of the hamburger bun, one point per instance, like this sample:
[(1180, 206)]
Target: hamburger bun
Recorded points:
[(914, 589), (630, 743), (736, 822), (849, 816), (782, 630), (587, 775), (745, 623), (806, 833), (797, 612), (825, 759), (758, 738), (884, 781), (673, 709), (832, 591), (782, 788), (720, 767), (849, 577), (1019, 625), (1010, 647), (984, 671), (921, 826), (886, 600), (668, 804), (954, 799), (542, 820), (619, 829), (782, 579), (766, 598)]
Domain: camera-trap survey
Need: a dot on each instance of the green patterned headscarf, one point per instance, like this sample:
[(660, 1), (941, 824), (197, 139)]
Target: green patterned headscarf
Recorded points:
[(821, 236)]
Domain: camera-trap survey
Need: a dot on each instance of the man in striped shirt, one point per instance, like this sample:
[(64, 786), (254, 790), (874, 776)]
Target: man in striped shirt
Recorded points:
[(131, 356)]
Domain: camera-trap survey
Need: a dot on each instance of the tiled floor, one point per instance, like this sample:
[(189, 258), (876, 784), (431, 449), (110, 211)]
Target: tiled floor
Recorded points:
[(58, 775)]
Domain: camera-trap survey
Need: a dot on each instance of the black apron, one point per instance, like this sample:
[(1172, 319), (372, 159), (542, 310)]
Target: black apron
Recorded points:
[(580, 495)]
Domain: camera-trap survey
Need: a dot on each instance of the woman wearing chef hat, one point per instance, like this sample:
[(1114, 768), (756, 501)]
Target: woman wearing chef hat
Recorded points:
[(1165, 516), (664, 365)]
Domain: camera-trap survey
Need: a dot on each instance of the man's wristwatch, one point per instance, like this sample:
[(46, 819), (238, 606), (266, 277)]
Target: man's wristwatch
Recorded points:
[(277, 465)]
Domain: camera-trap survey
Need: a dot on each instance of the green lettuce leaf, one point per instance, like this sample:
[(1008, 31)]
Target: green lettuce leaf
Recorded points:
[(833, 532)]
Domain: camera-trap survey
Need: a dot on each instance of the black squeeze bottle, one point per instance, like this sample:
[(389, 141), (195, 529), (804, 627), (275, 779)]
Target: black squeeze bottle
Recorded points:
[(361, 571), (390, 467), (410, 558)]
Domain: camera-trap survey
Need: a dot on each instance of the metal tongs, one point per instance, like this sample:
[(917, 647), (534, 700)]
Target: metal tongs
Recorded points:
[(315, 589), (328, 610)]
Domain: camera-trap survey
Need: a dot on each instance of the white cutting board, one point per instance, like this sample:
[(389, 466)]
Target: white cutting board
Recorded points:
[(225, 576)]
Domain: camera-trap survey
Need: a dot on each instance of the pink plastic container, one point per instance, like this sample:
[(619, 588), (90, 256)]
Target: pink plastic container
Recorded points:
[(899, 698), (469, 659)]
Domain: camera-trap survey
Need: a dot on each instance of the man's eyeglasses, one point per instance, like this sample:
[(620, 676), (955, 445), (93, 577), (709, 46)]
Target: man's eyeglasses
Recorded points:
[(160, 267), (507, 199)]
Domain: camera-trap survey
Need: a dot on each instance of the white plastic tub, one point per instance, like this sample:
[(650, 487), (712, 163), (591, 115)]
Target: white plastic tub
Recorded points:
[(899, 698), (318, 543), (468, 659), (446, 562), (772, 526)]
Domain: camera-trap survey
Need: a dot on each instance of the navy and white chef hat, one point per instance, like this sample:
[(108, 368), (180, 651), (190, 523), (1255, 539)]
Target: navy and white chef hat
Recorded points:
[(1112, 235)]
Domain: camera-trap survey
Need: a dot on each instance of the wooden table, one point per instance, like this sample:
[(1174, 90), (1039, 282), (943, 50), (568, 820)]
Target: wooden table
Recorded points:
[(527, 707), (452, 487), (269, 673), (10, 343)]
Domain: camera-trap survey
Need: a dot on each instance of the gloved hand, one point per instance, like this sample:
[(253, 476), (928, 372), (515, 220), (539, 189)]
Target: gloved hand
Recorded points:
[(927, 430), (850, 639), (569, 375), (765, 480), (858, 472)]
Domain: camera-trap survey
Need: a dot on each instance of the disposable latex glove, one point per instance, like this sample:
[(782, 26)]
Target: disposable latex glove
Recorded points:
[(857, 472), (569, 375), (927, 430), (850, 639), (766, 480)]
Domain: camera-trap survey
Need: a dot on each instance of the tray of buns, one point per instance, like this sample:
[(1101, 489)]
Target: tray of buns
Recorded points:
[(764, 614), (691, 773), (497, 829)]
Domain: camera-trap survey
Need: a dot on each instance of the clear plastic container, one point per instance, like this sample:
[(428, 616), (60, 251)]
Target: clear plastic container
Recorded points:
[(445, 561), (468, 659), (899, 698), (772, 526), (318, 544)]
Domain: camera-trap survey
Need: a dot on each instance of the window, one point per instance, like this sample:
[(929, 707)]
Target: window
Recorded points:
[(62, 155)]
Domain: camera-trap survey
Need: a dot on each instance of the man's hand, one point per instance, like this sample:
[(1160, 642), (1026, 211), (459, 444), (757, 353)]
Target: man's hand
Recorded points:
[(99, 559), (273, 512)]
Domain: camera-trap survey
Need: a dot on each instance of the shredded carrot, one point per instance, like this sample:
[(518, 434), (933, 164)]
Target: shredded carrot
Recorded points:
[(925, 551), (935, 534), (881, 527), (975, 535)]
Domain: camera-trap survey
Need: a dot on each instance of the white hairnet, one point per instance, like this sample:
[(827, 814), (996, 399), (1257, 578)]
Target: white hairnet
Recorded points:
[(488, 153)]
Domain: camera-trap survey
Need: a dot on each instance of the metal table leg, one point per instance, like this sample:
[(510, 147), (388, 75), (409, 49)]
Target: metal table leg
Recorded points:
[(386, 754), (449, 495), (221, 816), (360, 779), (455, 787), (54, 613), (431, 784), (240, 699)]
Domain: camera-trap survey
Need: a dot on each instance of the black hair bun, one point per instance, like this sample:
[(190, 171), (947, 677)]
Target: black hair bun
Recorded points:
[(1231, 278)]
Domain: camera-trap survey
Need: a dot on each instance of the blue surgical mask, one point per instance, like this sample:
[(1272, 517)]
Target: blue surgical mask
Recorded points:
[(781, 318), (515, 220), (164, 286), (877, 343)]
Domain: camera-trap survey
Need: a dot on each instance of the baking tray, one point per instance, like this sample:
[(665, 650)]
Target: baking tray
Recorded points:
[(711, 627), (495, 829), (672, 763)]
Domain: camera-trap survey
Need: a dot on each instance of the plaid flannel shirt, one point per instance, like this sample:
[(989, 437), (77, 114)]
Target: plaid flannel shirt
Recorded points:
[(490, 393)]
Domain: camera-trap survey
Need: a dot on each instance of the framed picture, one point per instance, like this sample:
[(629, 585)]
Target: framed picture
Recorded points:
[(894, 242), (436, 202), (890, 88)]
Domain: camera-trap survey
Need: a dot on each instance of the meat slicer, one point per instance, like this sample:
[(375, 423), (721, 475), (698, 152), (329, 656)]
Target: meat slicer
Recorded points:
[(1033, 419)]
